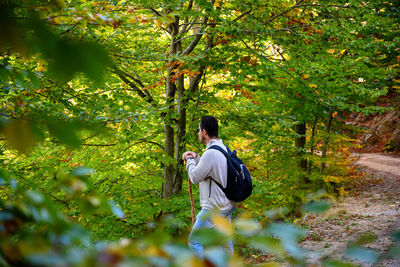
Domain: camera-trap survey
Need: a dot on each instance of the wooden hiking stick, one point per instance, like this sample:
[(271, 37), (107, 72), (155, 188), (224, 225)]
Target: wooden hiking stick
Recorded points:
[(192, 202)]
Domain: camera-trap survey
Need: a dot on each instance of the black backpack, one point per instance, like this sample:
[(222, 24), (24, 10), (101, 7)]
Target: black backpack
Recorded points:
[(238, 185)]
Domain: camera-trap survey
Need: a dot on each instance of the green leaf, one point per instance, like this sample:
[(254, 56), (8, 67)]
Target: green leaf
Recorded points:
[(396, 236), (117, 211), (178, 251), (217, 255), (363, 254), (286, 232), (73, 56), (337, 263), (67, 56), (209, 237), (268, 245), (35, 197), (317, 206), (20, 135), (290, 235), (3, 73), (281, 211), (82, 171), (247, 227), (394, 252), (5, 216), (65, 132), (47, 259)]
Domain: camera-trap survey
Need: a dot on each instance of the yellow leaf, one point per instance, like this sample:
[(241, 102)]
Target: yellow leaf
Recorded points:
[(236, 261), (58, 3), (334, 114), (222, 224), (58, 20), (312, 85), (194, 262), (247, 226), (41, 66), (272, 264), (95, 201), (155, 251), (158, 23), (19, 135), (331, 51), (305, 76)]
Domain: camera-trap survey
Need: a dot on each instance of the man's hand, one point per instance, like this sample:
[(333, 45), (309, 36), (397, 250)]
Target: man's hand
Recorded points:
[(189, 154)]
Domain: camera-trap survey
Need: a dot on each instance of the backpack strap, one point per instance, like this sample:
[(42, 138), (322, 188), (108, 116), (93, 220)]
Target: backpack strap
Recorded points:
[(220, 149)]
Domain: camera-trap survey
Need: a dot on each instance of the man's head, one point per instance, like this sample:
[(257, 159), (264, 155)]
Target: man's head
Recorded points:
[(208, 129)]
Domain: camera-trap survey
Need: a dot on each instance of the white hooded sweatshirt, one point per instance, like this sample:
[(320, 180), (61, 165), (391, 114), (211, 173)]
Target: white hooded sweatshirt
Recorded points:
[(211, 164)]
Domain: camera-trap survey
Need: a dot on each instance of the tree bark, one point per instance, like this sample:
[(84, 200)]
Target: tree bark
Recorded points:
[(300, 143), (325, 145), (169, 167), (179, 147), (176, 114), (180, 133), (312, 141), (168, 117)]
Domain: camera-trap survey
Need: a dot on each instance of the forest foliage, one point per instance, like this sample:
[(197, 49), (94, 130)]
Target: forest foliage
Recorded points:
[(99, 99)]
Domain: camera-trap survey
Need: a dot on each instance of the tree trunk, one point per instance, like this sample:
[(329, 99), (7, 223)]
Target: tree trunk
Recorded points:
[(168, 118), (300, 143), (180, 133), (169, 168), (312, 141), (174, 144), (325, 145)]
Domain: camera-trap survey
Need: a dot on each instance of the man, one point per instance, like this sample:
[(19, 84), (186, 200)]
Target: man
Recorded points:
[(211, 164)]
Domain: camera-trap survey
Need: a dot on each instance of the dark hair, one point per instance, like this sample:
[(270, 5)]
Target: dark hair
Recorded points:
[(210, 124)]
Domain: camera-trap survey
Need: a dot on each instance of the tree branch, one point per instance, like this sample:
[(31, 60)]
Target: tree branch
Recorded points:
[(194, 82), (242, 15), (185, 27), (144, 94), (186, 37), (254, 51), (284, 12), (137, 80), (142, 140), (99, 144), (197, 39), (319, 5), (155, 12)]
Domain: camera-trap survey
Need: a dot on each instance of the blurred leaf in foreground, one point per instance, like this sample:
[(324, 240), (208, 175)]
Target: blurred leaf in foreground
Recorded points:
[(337, 263), (65, 132), (20, 135), (363, 254), (317, 206)]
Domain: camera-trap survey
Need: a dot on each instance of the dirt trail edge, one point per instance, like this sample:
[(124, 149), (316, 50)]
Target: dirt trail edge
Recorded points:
[(372, 207)]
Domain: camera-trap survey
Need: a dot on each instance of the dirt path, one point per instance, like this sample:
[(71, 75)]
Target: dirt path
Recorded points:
[(378, 162), (372, 207)]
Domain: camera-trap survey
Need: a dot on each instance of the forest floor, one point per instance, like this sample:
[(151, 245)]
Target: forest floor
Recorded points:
[(372, 206)]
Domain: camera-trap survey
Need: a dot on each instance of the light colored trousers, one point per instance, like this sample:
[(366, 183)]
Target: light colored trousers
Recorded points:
[(203, 220)]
